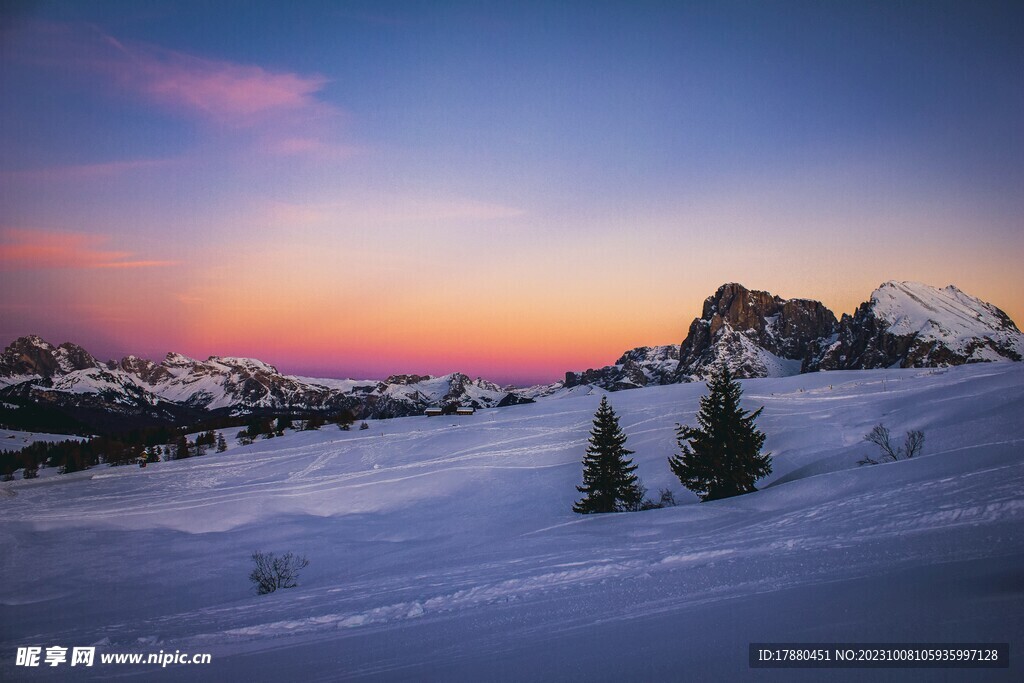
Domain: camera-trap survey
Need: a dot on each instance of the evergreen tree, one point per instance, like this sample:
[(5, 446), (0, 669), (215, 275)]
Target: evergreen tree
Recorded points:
[(722, 456), (609, 484), (181, 448), (222, 444), (315, 422), (207, 438)]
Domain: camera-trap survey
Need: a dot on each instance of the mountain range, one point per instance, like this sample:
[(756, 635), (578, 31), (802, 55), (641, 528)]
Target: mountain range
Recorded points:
[(757, 334), (753, 333)]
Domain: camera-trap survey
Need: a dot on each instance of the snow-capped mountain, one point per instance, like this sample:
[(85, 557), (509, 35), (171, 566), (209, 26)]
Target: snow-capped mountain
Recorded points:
[(908, 324), (220, 382), (755, 334), (68, 376), (758, 334), (639, 367), (33, 356)]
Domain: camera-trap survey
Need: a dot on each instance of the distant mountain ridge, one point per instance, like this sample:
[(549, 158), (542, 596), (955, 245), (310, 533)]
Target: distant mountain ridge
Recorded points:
[(754, 333), (639, 367), (180, 387), (757, 334)]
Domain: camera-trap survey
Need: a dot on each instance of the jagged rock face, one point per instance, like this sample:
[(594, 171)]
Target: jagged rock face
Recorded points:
[(754, 333), (30, 355), (34, 356), (145, 369), (639, 367), (907, 324), (71, 357), (802, 327), (740, 308), (406, 379)]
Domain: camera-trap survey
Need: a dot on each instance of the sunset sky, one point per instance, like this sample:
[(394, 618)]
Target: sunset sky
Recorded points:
[(508, 189)]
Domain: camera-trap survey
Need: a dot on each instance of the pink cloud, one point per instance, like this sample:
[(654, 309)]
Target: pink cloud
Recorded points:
[(224, 92), (220, 91), (24, 249)]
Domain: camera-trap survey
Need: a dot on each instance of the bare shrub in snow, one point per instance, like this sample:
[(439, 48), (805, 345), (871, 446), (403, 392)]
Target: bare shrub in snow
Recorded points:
[(667, 499), (879, 435), (272, 572), (914, 443)]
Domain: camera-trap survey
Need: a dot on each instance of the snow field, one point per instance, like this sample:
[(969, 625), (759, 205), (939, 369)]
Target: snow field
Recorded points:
[(446, 549)]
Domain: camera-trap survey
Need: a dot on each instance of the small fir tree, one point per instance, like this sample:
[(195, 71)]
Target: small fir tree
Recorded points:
[(222, 444), (207, 438), (181, 449), (722, 456), (609, 484), (31, 470)]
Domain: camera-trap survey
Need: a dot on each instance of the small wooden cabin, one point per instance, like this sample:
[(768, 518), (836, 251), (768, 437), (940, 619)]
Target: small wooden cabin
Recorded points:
[(433, 412), (465, 410)]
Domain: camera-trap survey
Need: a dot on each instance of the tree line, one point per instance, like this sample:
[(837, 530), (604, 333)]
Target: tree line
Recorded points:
[(152, 444)]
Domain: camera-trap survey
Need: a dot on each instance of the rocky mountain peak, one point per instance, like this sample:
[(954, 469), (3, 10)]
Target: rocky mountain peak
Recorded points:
[(177, 360), (71, 357), (248, 365), (146, 370), (739, 307), (639, 367), (909, 324), (755, 333), (649, 354), (407, 379), (29, 355)]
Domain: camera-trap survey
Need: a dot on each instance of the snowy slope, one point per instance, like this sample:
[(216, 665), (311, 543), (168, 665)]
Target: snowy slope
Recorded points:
[(745, 358), (445, 549), (908, 324), (13, 440), (946, 315)]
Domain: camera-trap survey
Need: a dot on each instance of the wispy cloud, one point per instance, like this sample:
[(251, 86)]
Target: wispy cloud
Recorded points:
[(32, 249), (284, 107), (221, 91)]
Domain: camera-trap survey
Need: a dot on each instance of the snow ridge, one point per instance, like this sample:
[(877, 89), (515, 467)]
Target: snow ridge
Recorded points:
[(946, 315)]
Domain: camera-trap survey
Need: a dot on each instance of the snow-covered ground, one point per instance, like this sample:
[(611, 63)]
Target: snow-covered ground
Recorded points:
[(14, 440), (446, 549)]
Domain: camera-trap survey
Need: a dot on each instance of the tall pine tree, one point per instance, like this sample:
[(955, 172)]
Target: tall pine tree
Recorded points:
[(722, 456), (609, 484)]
